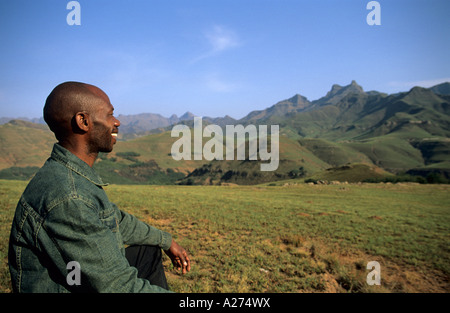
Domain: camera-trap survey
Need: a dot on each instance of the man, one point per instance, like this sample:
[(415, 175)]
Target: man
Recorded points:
[(64, 214)]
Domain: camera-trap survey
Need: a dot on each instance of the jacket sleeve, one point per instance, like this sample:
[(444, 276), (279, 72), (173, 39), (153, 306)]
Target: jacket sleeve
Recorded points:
[(78, 233), (136, 232)]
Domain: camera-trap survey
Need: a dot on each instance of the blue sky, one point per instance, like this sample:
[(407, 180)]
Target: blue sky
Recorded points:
[(217, 57)]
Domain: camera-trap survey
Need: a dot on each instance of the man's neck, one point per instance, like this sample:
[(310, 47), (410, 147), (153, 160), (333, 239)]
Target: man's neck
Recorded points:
[(81, 151)]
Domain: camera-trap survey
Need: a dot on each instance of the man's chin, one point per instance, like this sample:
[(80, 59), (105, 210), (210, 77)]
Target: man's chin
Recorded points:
[(106, 150)]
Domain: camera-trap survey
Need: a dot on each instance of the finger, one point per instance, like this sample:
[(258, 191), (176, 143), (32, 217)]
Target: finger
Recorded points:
[(182, 263), (186, 263), (177, 263)]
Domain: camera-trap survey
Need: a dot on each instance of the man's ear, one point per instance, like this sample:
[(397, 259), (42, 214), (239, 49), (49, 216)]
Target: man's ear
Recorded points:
[(82, 121)]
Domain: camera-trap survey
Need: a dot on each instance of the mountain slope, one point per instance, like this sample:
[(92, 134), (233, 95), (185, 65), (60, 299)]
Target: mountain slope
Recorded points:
[(294, 104), (24, 144), (399, 132), (441, 89), (141, 123), (407, 131), (362, 115)]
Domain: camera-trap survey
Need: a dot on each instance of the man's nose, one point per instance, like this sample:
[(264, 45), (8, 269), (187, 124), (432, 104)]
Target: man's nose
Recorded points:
[(116, 122)]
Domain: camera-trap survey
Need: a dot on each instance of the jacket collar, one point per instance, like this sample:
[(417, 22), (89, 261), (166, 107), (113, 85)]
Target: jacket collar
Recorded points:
[(72, 162)]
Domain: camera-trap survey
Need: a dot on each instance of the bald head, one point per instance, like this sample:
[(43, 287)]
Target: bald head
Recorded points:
[(65, 101)]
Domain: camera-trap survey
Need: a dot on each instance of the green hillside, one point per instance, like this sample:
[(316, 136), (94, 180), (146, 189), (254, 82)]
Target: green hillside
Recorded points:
[(295, 161), (360, 116), (407, 132), (156, 147), (24, 144), (351, 173), (398, 133), (145, 160), (334, 153)]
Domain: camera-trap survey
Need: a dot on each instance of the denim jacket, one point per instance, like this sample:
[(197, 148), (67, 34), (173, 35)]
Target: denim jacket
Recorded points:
[(64, 215)]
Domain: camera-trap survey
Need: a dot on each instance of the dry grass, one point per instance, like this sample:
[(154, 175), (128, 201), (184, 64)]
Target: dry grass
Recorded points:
[(290, 239)]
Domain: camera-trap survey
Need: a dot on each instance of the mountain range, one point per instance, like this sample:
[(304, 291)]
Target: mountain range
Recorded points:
[(388, 133)]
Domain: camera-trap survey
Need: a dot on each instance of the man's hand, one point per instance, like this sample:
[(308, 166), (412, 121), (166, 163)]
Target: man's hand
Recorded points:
[(179, 257)]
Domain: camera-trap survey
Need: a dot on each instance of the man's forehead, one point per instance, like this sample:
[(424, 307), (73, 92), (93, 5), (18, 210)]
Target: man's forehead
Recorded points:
[(101, 94), (105, 105)]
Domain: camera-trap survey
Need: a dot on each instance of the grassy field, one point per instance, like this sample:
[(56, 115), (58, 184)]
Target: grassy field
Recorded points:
[(303, 238)]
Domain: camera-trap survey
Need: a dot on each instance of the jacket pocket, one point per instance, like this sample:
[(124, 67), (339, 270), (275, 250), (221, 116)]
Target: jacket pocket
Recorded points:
[(109, 219)]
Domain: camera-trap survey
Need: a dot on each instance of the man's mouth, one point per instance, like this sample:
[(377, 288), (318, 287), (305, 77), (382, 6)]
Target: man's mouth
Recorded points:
[(114, 135)]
